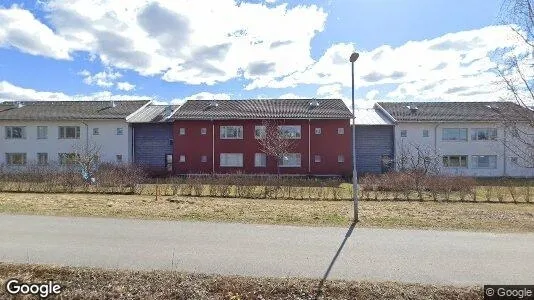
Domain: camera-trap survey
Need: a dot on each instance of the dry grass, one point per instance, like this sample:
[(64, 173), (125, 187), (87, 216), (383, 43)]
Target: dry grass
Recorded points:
[(390, 214), (86, 283)]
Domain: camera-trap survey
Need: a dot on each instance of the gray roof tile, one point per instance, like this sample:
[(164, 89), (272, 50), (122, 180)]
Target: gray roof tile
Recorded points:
[(263, 109), (68, 110), (454, 111), (154, 113)]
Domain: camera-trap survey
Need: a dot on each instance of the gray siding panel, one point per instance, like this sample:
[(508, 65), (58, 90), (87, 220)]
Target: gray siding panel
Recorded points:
[(371, 143), (151, 144)]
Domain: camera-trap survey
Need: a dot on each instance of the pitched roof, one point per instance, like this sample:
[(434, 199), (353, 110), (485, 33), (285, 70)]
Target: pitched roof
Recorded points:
[(69, 110), (371, 116), (154, 113), (454, 111), (263, 109)]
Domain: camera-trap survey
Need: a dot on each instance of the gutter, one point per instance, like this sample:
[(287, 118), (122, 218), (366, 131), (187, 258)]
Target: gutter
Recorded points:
[(385, 112)]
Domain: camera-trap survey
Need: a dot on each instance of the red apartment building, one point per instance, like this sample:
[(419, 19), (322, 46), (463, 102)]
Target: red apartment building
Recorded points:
[(222, 136)]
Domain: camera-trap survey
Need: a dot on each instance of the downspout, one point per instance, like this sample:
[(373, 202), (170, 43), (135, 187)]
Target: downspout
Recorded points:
[(133, 144), (212, 147), (436, 139), (86, 137), (309, 146), (505, 171)]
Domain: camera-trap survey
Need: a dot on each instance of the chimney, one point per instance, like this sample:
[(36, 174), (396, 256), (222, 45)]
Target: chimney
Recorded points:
[(167, 111), (314, 103), (20, 104), (213, 103), (413, 109), (113, 104)]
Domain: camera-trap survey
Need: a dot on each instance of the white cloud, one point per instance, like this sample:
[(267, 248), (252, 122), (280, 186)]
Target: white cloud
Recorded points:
[(371, 95), (457, 66), (203, 96), (125, 86), (291, 96), (173, 39), (10, 92), (102, 79), (21, 30)]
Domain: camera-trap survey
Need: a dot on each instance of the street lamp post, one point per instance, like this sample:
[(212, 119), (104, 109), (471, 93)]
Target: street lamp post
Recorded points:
[(353, 57)]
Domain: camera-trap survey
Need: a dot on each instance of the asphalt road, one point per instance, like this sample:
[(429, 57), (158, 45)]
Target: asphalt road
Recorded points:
[(439, 257)]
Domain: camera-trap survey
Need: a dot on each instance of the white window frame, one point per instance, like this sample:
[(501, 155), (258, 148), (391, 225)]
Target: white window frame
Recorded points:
[(491, 164), (259, 132), (296, 162), (204, 159), (491, 133), (119, 158), (318, 130), (231, 160), (120, 131), (426, 133), (168, 162), (260, 160), (9, 133), (341, 130), (62, 132), (460, 135), (225, 130), (317, 158), (42, 132), (9, 158), (447, 158), (181, 131), (404, 133), (96, 131), (290, 131), (340, 158), (182, 158), (203, 131), (41, 162)]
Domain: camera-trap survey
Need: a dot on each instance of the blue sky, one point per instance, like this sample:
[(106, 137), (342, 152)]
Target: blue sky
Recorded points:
[(176, 50)]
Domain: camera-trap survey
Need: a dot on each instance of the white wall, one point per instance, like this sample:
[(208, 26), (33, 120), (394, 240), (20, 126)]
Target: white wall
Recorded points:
[(470, 147), (108, 141)]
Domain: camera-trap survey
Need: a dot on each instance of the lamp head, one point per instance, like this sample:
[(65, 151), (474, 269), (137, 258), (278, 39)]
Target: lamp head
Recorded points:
[(354, 56)]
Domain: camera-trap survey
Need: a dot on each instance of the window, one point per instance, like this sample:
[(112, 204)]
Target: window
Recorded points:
[(42, 159), (454, 134), (289, 160), (484, 161), (118, 158), (317, 130), (69, 132), (341, 130), (182, 158), (168, 162), (15, 159), (231, 160), (455, 161), (171, 142), (231, 132), (67, 159), (120, 131), (203, 131), (340, 158), (260, 160), (259, 132), (317, 158), (15, 132), (290, 131), (404, 133), (203, 158), (513, 159), (181, 131), (42, 132), (483, 134), (96, 131), (425, 132)]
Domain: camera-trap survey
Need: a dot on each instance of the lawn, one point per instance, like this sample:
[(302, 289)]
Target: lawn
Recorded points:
[(498, 217), (89, 283)]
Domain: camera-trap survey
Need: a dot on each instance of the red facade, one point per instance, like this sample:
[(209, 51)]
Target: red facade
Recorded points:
[(200, 148)]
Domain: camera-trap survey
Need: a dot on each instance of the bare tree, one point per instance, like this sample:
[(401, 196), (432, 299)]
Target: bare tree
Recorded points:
[(516, 72), (87, 157), (275, 143)]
